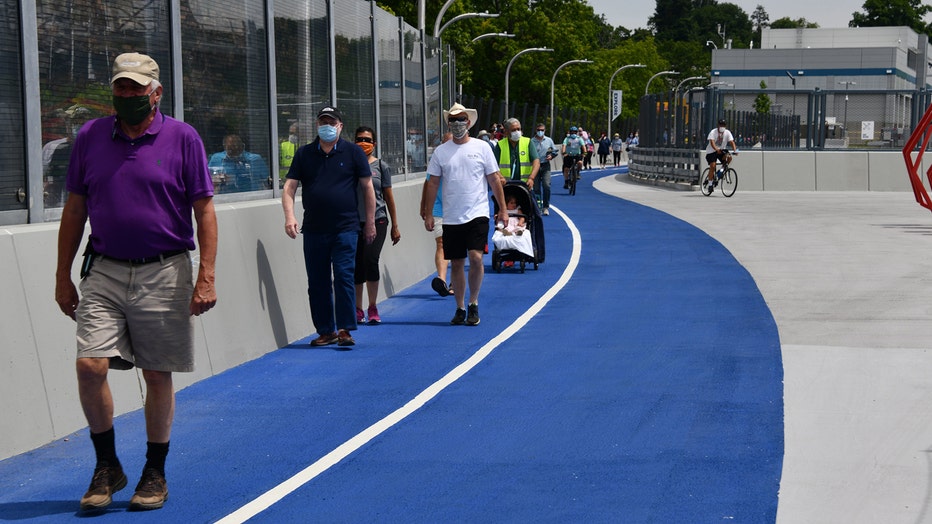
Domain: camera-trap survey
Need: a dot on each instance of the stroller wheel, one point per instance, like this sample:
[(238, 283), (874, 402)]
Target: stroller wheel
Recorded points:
[(522, 266)]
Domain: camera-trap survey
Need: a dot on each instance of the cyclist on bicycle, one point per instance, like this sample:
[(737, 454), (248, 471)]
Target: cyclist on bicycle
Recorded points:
[(574, 147), (715, 150)]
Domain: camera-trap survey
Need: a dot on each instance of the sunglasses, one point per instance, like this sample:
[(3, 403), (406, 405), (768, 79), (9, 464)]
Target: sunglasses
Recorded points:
[(457, 119), (364, 139)]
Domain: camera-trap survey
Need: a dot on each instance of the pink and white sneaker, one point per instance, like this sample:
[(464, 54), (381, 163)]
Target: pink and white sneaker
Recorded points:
[(374, 315)]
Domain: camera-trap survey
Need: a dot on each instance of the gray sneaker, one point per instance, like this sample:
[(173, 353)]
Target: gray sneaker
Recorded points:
[(472, 317)]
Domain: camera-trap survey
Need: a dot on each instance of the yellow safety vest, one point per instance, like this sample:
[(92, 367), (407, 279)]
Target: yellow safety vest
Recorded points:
[(504, 158), (286, 156)]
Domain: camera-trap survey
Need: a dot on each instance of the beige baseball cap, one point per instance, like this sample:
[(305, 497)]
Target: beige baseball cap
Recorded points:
[(139, 68)]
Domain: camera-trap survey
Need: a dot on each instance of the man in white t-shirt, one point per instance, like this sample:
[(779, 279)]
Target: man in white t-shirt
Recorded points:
[(468, 170), (715, 149)]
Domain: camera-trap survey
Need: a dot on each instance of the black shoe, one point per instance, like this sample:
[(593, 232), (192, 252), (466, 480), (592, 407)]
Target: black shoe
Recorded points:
[(151, 492), (438, 285), (105, 483), (459, 318), (472, 318)]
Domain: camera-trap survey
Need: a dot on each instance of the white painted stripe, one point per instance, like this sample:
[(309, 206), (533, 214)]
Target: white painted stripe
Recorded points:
[(287, 487)]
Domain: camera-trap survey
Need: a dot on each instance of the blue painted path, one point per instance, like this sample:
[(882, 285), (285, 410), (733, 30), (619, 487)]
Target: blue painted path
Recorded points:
[(638, 392)]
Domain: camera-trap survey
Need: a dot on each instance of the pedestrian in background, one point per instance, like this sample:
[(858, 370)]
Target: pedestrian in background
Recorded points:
[(546, 151), (330, 170), (605, 145), (367, 253), (468, 170)]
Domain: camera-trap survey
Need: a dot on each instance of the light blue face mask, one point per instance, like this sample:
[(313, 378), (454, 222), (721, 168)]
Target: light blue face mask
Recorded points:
[(327, 133)]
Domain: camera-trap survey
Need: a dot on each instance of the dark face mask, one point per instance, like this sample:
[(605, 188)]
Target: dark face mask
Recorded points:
[(132, 110)]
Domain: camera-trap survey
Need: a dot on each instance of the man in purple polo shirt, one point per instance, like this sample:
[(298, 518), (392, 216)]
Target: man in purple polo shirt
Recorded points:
[(138, 177), (329, 170)]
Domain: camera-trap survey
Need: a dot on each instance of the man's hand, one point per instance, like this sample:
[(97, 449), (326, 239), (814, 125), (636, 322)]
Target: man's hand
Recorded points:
[(67, 297), (204, 297), (369, 231), (291, 227)]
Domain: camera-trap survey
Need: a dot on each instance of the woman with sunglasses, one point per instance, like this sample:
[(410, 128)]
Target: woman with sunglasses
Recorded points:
[(367, 254)]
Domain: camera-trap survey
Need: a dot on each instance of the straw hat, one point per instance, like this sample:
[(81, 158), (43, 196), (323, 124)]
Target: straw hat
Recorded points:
[(458, 109)]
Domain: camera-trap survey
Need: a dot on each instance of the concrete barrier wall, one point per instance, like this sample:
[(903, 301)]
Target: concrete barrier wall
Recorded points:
[(262, 305), (760, 170)]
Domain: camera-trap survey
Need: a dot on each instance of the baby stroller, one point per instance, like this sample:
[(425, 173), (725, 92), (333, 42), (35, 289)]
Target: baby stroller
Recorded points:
[(534, 224)]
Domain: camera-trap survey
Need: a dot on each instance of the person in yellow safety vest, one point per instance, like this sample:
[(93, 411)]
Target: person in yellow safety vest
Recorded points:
[(517, 160), (286, 152)]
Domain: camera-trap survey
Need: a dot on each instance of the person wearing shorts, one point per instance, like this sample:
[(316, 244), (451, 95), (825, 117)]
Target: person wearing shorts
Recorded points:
[(139, 177), (468, 169), (573, 150), (715, 152), (439, 282)]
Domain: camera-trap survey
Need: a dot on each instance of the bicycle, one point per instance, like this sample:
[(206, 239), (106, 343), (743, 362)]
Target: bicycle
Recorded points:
[(573, 173), (725, 176)]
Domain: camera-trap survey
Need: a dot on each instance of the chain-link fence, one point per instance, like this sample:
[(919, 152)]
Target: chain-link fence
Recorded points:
[(783, 119)]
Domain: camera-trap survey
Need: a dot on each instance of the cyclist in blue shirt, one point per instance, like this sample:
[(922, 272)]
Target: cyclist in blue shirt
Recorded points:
[(574, 147)]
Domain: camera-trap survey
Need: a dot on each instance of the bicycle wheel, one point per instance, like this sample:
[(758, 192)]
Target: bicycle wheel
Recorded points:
[(574, 176), (703, 183), (729, 182)]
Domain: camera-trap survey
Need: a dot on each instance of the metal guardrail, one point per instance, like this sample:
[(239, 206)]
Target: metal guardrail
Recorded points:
[(665, 165)]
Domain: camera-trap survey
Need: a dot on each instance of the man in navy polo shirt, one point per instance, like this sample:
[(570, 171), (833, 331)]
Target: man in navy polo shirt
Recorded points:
[(329, 170)]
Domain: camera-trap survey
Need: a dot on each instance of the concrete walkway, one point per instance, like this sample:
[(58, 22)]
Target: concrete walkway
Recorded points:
[(847, 277)]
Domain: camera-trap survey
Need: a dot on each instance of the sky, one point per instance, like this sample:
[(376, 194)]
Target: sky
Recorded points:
[(633, 14)]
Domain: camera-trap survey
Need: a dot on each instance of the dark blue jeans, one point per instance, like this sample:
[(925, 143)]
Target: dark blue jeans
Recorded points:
[(333, 301)]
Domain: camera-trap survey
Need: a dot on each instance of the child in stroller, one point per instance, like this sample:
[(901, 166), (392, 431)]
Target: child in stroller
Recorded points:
[(514, 241)]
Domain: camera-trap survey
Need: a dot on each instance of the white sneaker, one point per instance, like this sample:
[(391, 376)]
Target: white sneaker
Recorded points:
[(546, 211)]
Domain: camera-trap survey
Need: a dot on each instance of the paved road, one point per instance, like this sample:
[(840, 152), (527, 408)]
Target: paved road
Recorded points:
[(847, 277)]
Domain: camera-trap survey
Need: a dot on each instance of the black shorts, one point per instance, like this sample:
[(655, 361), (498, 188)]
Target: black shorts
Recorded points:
[(459, 239), (714, 156), (569, 160)]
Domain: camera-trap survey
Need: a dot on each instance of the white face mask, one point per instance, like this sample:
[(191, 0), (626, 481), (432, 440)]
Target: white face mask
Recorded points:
[(515, 136), (721, 129)]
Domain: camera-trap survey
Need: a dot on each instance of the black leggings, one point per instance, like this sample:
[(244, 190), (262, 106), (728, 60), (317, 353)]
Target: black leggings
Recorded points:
[(367, 255)]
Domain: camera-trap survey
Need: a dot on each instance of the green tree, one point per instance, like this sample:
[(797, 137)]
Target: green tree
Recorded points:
[(788, 23), (762, 101), (672, 20), (883, 13), (760, 19)]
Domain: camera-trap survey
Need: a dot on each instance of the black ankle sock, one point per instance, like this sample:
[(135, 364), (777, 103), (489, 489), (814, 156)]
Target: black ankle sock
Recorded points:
[(155, 455), (105, 448)]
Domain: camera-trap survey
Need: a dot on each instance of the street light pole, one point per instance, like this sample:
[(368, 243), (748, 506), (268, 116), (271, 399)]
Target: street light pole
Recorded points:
[(612, 79), (489, 35), (676, 101), (464, 16), (553, 84), (438, 32), (655, 76), (512, 61), (846, 83)]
